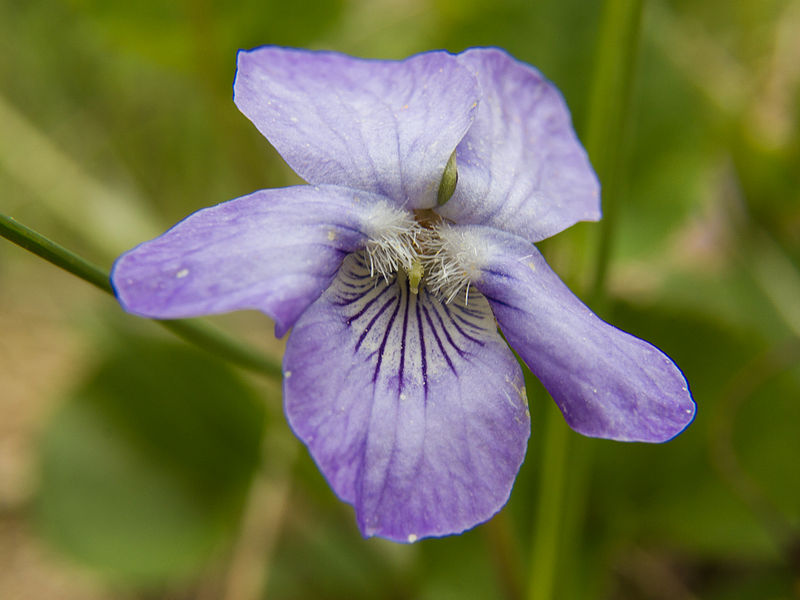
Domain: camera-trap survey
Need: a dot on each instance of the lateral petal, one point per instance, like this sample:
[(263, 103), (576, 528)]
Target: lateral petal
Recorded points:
[(415, 411), (382, 126), (273, 250), (521, 167), (606, 382)]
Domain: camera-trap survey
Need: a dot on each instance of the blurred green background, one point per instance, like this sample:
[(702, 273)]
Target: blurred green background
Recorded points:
[(133, 465)]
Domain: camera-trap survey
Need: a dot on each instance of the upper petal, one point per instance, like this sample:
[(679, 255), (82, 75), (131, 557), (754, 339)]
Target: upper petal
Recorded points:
[(273, 250), (520, 166), (607, 383), (383, 126), (415, 411)]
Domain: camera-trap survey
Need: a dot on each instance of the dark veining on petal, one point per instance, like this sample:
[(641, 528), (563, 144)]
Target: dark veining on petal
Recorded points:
[(382, 347), (475, 327), (436, 304), (372, 321), (499, 274), (397, 367), (364, 284), (436, 336), (422, 357), (359, 271), (380, 317), (501, 303), (352, 229), (405, 293), (369, 303), (467, 310), (454, 321)]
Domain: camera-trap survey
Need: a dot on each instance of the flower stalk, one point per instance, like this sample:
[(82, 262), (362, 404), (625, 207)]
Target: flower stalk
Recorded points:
[(558, 517), (201, 335), (609, 110), (53, 253)]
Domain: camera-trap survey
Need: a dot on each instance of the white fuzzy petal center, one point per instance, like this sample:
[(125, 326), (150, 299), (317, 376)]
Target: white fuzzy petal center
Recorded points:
[(444, 258)]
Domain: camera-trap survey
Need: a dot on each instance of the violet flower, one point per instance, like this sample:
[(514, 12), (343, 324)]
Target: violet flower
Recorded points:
[(395, 376)]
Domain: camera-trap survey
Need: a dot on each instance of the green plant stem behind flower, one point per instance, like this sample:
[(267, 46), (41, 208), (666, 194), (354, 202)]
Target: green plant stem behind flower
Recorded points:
[(195, 332), (558, 516), (609, 110)]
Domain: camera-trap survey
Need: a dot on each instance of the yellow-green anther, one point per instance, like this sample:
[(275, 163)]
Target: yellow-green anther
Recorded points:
[(415, 274), (449, 180)]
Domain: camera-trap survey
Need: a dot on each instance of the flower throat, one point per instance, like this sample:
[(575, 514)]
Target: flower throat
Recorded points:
[(424, 246)]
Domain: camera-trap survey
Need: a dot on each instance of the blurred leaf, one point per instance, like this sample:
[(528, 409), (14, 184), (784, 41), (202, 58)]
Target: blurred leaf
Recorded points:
[(459, 568), (532, 32), (162, 31), (321, 553), (144, 469), (674, 492)]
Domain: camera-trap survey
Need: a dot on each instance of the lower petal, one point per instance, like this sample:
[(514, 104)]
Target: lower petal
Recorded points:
[(415, 411), (606, 382)]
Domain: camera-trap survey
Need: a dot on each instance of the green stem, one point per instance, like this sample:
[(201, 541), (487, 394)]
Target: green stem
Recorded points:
[(559, 514), (224, 346), (548, 521), (195, 332), (53, 253), (609, 109)]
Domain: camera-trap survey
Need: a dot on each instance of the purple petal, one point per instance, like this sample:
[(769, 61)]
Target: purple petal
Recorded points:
[(387, 127), (415, 411), (273, 250), (607, 383), (520, 167)]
